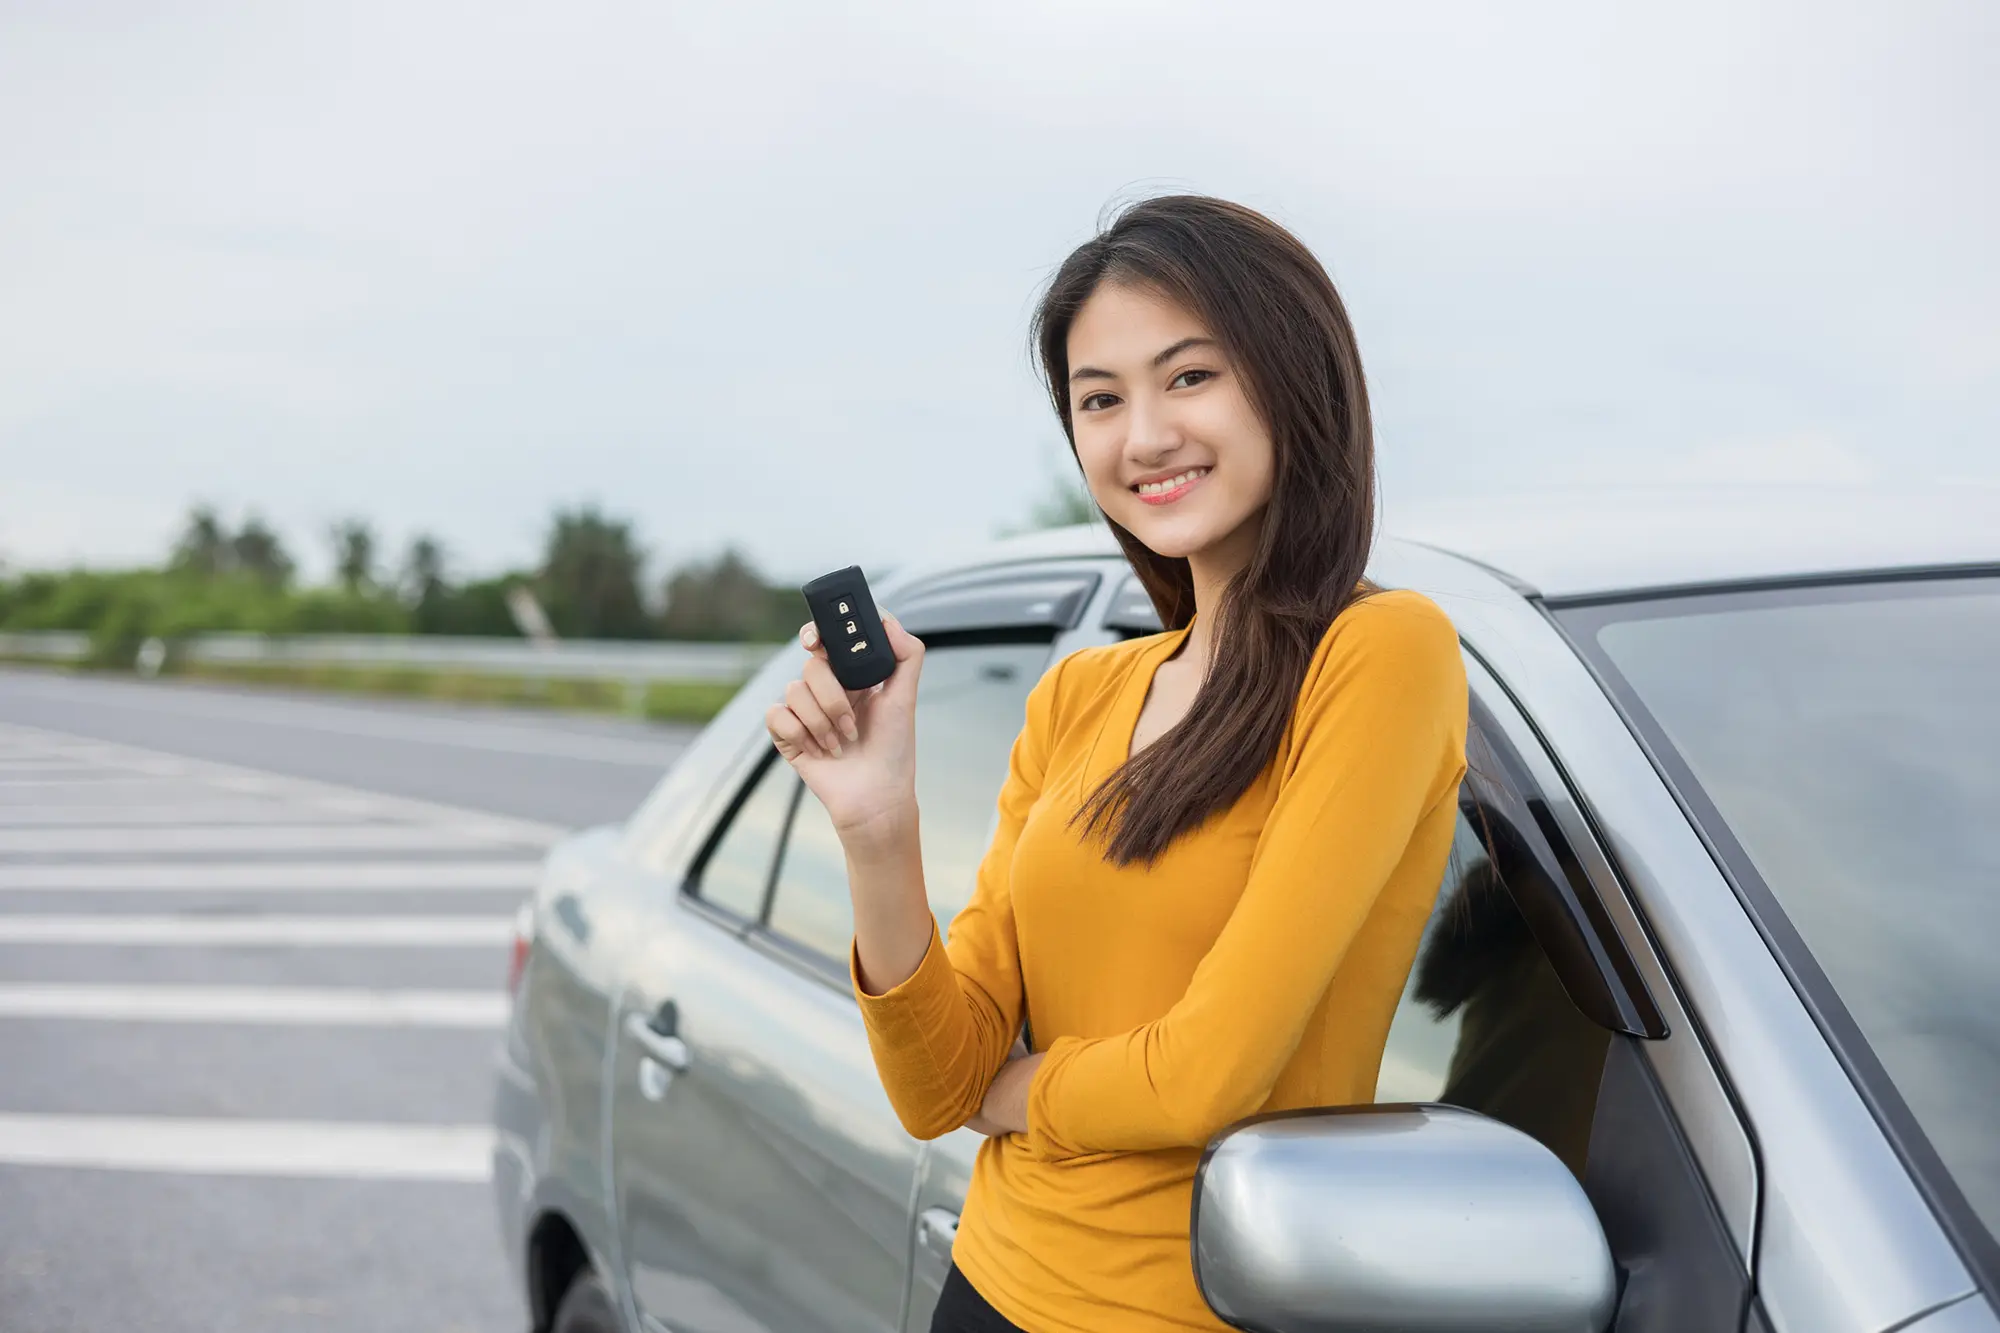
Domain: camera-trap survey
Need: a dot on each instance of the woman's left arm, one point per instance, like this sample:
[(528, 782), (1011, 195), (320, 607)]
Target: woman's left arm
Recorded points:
[(1380, 741)]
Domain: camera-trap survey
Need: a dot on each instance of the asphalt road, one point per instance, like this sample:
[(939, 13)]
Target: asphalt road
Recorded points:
[(252, 960)]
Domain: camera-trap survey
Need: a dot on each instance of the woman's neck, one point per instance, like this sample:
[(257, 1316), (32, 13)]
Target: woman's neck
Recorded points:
[(1212, 569)]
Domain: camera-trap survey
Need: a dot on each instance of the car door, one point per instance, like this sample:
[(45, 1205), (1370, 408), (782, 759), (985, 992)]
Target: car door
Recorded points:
[(763, 1182), (1529, 1003)]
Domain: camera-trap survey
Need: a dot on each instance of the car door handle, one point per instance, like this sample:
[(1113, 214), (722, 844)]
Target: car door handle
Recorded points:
[(669, 1050), (937, 1228)]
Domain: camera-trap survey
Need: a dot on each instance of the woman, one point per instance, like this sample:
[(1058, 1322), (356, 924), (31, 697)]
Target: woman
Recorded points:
[(1217, 846)]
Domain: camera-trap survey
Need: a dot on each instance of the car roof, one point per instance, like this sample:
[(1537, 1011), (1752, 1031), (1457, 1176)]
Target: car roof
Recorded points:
[(1574, 542)]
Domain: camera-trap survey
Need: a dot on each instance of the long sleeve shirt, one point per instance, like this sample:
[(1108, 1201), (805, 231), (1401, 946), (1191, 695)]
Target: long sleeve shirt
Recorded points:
[(1255, 966)]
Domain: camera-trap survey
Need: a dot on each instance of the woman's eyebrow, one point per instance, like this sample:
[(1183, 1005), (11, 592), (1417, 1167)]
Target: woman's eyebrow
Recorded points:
[(1093, 373)]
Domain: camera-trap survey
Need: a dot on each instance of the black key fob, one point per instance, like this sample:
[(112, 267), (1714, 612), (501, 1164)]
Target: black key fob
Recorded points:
[(856, 647)]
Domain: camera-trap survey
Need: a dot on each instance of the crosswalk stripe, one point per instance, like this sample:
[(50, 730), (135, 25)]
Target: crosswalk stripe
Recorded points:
[(302, 1148), (305, 1006), (388, 931), (237, 838), (20, 788), (211, 775), (271, 876), (226, 810)]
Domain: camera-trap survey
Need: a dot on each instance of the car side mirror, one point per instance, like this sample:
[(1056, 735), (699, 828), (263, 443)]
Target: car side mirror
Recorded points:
[(1417, 1219)]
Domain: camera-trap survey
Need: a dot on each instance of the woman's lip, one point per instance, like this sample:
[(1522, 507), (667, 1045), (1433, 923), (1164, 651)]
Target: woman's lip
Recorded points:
[(1168, 497)]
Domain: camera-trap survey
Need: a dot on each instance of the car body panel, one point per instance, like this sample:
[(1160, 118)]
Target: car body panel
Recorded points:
[(1845, 1241), (767, 1187), (1811, 1194)]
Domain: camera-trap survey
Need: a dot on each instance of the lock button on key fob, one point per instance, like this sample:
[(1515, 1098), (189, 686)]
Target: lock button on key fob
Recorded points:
[(850, 628)]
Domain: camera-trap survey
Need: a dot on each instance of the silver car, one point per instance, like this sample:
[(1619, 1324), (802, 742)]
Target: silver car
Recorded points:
[(1704, 1033)]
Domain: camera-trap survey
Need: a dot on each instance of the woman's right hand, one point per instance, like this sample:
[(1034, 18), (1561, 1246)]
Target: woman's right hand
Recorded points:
[(856, 750)]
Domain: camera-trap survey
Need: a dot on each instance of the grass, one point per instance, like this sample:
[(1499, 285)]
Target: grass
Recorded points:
[(659, 701)]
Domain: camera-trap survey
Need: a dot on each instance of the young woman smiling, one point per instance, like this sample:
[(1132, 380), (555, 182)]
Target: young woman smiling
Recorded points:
[(1217, 846)]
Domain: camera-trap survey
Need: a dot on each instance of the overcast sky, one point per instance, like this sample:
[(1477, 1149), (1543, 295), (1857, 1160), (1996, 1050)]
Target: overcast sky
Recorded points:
[(760, 273)]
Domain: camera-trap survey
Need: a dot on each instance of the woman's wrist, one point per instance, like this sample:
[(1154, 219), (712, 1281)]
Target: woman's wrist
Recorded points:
[(883, 837), (1006, 1104)]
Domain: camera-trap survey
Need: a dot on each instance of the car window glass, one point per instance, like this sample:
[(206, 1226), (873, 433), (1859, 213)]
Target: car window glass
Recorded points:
[(736, 873), (970, 707), (1845, 738), (1484, 1022)]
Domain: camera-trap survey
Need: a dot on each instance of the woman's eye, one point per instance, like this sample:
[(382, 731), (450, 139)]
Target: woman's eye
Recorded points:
[(1097, 402), (1199, 376)]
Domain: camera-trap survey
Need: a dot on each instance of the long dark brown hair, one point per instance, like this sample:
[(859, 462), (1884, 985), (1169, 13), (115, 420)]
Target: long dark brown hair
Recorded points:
[(1274, 310)]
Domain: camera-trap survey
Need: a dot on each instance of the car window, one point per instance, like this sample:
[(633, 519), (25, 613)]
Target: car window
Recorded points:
[(1836, 744), (970, 707), (1484, 1021), (738, 869)]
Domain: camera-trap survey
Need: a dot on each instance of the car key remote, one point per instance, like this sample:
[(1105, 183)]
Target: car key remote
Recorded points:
[(857, 647)]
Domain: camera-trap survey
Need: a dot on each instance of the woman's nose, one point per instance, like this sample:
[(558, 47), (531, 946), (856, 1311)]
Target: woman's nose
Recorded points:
[(1151, 432)]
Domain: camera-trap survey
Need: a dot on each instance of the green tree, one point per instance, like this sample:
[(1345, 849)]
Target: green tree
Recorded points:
[(203, 547), (726, 598), (423, 567), (589, 582), (353, 554), (1064, 504), (259, 552)]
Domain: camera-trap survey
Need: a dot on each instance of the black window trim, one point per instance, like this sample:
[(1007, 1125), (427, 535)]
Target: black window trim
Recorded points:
[(975, 587), (1131, 627), (1579, 620), (690, 889), (1568, 920)]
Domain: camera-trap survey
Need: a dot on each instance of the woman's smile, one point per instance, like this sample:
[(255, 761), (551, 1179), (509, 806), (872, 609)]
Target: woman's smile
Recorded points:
[(1166, 490)]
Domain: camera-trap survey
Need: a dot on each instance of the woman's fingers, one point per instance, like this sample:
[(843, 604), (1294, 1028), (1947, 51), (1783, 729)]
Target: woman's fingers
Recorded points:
[(831, 696), (805, 705), (789, 734)]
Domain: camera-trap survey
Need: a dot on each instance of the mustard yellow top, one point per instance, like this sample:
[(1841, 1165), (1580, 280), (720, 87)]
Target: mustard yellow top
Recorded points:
[(1254, 967)]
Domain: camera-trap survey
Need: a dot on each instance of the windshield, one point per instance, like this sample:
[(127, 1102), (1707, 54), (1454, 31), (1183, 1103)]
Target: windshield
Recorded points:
[(1849, 739)]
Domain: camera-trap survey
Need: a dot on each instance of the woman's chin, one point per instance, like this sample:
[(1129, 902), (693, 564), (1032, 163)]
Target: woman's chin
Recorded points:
[(1170, 540)]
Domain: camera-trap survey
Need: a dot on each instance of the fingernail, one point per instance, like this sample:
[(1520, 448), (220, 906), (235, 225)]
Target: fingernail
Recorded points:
[(836, 749), (849, 730), (811, 637)]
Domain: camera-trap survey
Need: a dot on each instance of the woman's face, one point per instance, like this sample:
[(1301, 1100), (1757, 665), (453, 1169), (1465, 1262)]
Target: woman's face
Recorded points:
[(1170, 446)]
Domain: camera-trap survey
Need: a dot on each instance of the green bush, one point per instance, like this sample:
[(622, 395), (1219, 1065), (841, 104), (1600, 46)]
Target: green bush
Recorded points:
[(123, 608)]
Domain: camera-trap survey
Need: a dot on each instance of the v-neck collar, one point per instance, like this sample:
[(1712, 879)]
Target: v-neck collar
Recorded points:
[(1114, 740)]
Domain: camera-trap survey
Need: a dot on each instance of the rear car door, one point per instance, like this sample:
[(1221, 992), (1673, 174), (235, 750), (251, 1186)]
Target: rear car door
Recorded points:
[(762, 1180)]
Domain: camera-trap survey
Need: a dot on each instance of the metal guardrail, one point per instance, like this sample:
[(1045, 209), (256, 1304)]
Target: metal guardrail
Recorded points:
[(570, 659), (54, 645)]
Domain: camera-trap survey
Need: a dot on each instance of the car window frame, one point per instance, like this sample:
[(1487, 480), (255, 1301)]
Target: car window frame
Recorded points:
[(1579, 620), (690, 894), (801, 956), (956, 611)]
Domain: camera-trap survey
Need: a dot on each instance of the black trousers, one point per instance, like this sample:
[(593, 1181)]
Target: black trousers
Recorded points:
[(960, 1309)]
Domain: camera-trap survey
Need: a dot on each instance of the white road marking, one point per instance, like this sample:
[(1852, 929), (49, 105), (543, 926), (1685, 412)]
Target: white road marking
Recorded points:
[(471, 734), (271, 876), (229, 1147), (238, 838), (23, 775), (304, 1006), (315, 931), (119, 785), (223, 810), (154, 764)]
